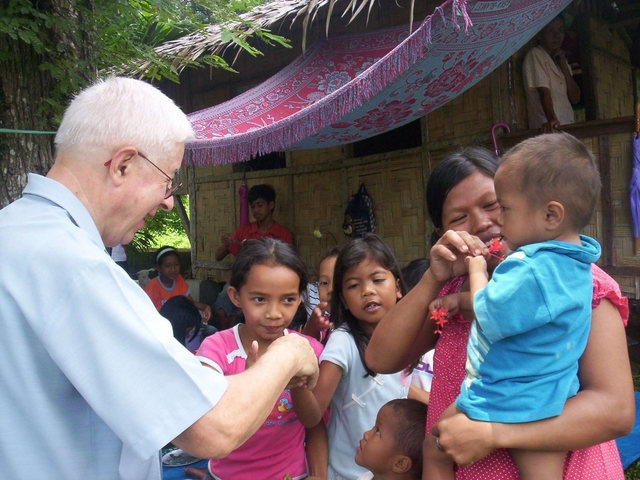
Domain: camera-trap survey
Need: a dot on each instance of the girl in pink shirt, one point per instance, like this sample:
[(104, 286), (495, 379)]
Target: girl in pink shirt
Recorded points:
[(267, 281)]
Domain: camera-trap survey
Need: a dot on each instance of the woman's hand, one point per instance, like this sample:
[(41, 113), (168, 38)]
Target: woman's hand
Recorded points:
[(448, 254), (465, 440)]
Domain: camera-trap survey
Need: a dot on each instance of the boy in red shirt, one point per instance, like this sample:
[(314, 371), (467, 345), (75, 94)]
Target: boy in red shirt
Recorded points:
[(262, 199)]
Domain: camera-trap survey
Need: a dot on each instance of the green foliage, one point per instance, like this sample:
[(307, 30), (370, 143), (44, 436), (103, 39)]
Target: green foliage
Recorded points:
[(165, 228), (82, 39)]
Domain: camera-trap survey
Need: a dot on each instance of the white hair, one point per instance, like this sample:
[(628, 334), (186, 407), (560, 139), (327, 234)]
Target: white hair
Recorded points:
[(119, 111)]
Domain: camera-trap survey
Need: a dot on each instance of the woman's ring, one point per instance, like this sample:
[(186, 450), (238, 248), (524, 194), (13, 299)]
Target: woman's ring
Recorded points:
[(438, 446)]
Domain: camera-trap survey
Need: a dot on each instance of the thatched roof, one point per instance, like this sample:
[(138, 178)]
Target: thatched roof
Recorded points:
[(269, 15)]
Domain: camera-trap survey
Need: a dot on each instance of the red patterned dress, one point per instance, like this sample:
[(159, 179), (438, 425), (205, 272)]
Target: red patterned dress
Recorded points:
[(600, 462)]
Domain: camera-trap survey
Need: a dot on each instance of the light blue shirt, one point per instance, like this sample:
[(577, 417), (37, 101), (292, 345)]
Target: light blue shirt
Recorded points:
[(532, 323), (93, 382), (356, 402)]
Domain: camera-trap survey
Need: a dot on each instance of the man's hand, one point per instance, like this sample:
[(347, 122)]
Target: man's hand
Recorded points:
[(297, 349)]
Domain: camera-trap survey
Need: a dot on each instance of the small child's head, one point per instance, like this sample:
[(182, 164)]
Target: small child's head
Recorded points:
[(413, 272), (367, 283), (262, 200), (184, 317), (167, 262), (394, 444), (547, 186), (326, 267), (267, 281)]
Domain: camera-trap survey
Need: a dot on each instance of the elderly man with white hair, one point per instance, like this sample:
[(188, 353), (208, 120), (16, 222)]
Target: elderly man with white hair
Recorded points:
[(94, 383)]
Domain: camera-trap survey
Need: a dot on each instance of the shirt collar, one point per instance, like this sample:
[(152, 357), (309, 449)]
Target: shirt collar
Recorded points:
[(58, 194)]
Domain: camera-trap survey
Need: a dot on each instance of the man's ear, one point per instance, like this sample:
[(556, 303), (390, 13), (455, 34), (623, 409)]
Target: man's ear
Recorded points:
[(402, 464), (554, 215), (119, 163), (272, 206), (234, 295)]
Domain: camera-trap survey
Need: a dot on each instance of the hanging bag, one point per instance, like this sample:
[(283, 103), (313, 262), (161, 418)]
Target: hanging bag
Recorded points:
[(358, 216)]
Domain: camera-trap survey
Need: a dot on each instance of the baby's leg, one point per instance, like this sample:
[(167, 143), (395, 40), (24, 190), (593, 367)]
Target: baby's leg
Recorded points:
[(437, 465), (534, 465)]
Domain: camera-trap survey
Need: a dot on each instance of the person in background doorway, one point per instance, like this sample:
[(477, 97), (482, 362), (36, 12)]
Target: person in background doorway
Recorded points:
[(262, 200), (548, 82)]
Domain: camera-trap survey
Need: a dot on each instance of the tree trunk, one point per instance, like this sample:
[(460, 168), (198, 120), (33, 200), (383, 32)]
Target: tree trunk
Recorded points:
[(26, 87), (22, 87)]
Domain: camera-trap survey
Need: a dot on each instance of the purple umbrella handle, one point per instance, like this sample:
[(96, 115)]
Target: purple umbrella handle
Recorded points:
[(493, 136), (244, 204)]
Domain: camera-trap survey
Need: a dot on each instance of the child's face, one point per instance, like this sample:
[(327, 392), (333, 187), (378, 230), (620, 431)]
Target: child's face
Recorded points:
[(369, 291), (521, 223), (325, 280), (261, 209), (377, 448), (268, 299), (169, 267)]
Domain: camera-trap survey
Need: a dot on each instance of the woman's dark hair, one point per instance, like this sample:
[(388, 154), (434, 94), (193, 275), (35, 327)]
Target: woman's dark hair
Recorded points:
[(164, 252), (266, 251), (371, 247), (183, 315), (449, 173), (413, 271)]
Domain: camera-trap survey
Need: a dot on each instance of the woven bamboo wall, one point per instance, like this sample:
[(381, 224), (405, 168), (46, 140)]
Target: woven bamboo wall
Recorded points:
[(397, 190), (319, 205), (612, 72), (621, 165), (467, 114), (316, 201)]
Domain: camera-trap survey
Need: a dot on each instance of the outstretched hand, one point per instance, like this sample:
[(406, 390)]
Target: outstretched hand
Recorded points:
[(448, 254), (317, 322)]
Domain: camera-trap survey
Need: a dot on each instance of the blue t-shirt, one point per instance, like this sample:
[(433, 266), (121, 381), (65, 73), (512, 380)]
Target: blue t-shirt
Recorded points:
[(532, 323)]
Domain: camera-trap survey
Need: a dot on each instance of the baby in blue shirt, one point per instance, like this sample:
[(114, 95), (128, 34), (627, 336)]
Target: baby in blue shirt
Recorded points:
[(532, 318)]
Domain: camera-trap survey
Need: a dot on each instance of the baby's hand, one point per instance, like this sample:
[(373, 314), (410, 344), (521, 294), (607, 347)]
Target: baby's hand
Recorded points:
[(450, 302), (476, 264)]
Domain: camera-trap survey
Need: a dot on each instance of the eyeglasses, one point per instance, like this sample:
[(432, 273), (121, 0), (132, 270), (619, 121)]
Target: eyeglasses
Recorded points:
[(171, 187)]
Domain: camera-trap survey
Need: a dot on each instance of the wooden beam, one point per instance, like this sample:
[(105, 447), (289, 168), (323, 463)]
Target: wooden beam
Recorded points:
[(621, 271), (607, 204)]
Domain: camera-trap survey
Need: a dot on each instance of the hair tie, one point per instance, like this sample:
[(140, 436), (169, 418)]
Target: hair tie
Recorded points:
[(163, 251)]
